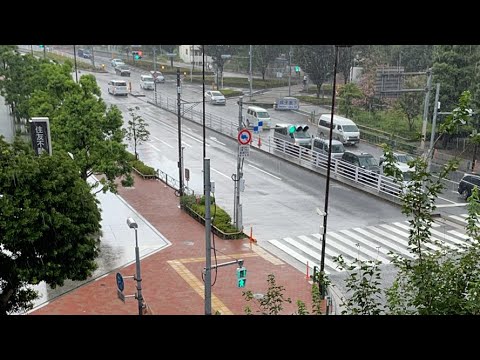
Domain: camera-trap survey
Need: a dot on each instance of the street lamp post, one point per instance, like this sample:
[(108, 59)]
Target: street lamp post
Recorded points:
[(327, 186), (133, 225)]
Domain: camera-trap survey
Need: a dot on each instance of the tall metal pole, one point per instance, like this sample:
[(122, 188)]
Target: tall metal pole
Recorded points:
[(154, 59), (289, 68), (203, 118), (31, 48), (208, 250), (237, 211), (93, 57), (251, 75), (425, 109), (75, 59), (434, 124), (327, 186), (138, 276), (44, 51), (180, 162), (193, 62)]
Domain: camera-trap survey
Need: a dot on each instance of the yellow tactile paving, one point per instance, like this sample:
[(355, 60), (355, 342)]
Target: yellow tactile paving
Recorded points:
[(269, 257), (198, 286)]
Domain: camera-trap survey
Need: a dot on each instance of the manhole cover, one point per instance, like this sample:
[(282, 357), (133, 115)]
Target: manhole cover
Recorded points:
[(258, 296)]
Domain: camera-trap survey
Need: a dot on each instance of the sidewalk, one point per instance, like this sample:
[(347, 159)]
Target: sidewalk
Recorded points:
[(172, 277)]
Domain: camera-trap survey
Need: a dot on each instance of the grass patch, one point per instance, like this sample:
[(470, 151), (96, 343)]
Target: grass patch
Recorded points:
[(230, 92), (314, 100), (61, 59)]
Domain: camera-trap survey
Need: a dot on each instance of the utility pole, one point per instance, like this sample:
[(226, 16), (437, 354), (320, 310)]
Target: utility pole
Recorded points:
[(425, 110), (434, 124), (208, 250), (237, 207), (203, 96), (180, 161), (289, 68), (93, 58), (193, 63), (75, 58), (251, 75), (44, 51), (154, 59)]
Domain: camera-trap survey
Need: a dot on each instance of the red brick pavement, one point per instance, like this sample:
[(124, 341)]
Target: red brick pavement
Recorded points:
[(164, 290)]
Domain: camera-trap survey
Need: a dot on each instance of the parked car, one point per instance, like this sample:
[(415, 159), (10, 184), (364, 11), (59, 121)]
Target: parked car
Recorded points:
[(122, 70), (158, 76), (116, 62), (215, 97), (465, 186), (87, 54)]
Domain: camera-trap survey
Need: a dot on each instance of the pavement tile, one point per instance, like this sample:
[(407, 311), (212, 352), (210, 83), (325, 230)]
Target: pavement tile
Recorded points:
[(172, 278)]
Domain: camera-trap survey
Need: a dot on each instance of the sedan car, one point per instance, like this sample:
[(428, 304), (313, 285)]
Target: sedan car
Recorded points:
[(215, 97), (158, 76), (122, 70), (116, 62)]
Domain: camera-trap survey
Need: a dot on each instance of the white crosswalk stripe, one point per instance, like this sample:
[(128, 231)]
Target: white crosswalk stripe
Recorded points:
[(378, 242)]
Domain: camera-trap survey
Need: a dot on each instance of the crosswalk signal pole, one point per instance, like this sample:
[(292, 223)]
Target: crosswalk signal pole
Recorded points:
[(237, 211)]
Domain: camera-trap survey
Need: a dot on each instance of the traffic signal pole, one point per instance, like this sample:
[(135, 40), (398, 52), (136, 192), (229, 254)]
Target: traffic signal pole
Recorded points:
[(180, 160), (208, 245)]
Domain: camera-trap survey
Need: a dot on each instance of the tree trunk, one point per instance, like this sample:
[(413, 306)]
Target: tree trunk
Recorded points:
[(263, 74), (4, 297)]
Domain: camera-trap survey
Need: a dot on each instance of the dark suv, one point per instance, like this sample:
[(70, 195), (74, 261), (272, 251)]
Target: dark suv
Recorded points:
[(364, 161), (465, 186)]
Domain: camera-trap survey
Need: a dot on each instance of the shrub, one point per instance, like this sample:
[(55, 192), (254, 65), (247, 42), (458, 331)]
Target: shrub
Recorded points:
[(142, 168)]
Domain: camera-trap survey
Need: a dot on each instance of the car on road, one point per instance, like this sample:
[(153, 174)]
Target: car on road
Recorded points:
[(465, 186), (369, 168), (321, 145), (117, 87), (87, 54), (399, 157), (158, 76), (122, 70), (146, 82), (215, 97), (116, 62)]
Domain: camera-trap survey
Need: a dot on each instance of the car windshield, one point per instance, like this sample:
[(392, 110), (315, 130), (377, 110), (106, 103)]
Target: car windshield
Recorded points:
[(407, 176), (120, 83), (123, 67), (338, 148), (350, 128), (367, 161), (216, 93), (148, 79), (403, 158), (301, 135), (262, 114)]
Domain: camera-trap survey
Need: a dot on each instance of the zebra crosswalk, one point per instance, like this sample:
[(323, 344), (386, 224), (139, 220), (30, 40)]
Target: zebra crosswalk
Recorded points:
[(366, 243)]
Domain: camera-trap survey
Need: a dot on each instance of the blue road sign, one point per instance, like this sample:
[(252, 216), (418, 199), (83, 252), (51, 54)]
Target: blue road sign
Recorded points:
[(260, 123), (120, 283)]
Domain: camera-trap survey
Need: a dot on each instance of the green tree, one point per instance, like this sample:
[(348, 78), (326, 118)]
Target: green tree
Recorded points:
[(272, 302), (92, 133), (263, 55), (49, 221), (216, 52), (347, 95), (137, 129), (455, 68), (317, 61), (410, 103)]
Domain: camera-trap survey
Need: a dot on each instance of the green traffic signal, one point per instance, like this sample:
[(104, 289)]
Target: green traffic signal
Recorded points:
[(297, 68), (137, 57), (241, 277), (292, 129), (41, 46)]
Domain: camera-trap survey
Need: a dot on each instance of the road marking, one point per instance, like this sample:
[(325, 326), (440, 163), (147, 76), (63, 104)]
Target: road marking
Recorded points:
[(153, 146), (156, 138), (447, 200), (276, 177), (269, 257), (215, 139), (198, 286), (218, 172), (184, 143), (451, 205)]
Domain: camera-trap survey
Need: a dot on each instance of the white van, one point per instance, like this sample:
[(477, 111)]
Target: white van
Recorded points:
[(117, 87), (344, 130), (146, 82), (256, 114)]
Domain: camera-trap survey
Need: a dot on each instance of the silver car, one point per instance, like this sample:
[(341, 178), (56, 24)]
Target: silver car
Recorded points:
[(215, 97)]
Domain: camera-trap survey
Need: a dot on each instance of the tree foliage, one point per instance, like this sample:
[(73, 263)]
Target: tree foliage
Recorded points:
[(264, 55), (317, 61), (137, 129), (216, 52), (347, 94), (272, 302), (410, 103), (48, 224)]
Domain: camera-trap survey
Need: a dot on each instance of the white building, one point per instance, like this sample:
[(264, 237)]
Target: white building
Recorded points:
[(192, 53)]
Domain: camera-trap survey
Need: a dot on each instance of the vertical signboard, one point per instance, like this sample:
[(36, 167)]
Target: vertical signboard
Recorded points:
[(40, 132)]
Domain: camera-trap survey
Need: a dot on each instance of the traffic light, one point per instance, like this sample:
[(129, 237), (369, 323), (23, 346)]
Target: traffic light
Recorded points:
[(241, 277), (41, 46), (294, 128), (137, 55), (297, 68)]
